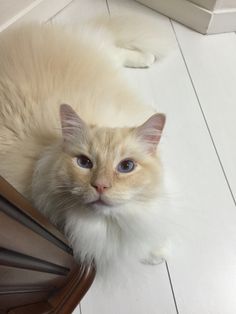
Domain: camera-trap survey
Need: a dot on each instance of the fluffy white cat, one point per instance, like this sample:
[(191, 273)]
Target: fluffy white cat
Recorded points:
[(77, 142)]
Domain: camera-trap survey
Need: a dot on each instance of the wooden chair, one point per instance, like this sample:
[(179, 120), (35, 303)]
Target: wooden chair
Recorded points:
[(38, 273)]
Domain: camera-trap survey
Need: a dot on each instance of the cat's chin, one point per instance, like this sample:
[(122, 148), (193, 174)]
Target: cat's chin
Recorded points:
[(99, 202), (103, 207)]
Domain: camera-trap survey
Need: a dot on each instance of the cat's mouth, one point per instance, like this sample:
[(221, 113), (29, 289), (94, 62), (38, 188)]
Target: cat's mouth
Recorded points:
[(100, 202)]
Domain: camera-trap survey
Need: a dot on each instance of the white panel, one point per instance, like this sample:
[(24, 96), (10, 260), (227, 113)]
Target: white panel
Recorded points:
[(11, 11), (9, 8), (146, 288), (46, 10), (143, 291), (182, 11), (226, 4), (203, 261), (223, 22), (82, 10), (195, 16), (38, 10), (206, 281), (208, 4), (213, 58)]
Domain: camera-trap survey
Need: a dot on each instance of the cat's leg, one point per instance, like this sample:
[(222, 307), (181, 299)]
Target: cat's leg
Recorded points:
[(135, 58)]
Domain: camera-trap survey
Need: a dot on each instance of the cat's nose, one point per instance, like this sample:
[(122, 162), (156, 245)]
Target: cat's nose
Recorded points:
[(101, 187)]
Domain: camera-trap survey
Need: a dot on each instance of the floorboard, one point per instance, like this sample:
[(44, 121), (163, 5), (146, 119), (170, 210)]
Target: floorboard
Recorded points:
[(79, 11), (211, 61), (201, 273), (202, 265)]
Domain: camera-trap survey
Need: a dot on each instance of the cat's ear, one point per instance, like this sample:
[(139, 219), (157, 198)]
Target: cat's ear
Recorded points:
[(72, 125), (150, 131)]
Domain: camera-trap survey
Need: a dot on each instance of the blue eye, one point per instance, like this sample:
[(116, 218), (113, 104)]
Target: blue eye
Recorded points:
[(84, 162), (126, 166)]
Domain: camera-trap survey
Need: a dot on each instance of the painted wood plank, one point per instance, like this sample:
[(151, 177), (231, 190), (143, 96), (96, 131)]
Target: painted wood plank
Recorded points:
[(12, 12), (46, 10), (212, 64), (24, 240), (11, 8), (145, 290), (205, 21), (80, 11), (184, 11), (131, 295), (208, 4), (202, 265)]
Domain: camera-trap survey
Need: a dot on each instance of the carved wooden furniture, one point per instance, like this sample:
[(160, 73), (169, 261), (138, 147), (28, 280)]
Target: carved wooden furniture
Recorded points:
[(37, 271)]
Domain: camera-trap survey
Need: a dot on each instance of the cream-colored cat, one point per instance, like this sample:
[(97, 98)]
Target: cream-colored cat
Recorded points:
[(76, 141)]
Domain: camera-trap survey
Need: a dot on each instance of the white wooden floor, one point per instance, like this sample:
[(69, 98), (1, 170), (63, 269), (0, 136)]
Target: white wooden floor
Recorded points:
[(196, 87)]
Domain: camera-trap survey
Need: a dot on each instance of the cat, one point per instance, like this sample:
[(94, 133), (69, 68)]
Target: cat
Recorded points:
[(75, 139)]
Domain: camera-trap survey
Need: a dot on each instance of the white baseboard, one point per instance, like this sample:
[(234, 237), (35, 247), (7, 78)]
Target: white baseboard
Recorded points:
[(223, 21), (207, 4), (194, 16), (37, 10)]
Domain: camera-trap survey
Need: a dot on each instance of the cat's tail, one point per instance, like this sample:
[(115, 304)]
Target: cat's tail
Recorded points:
[(137, 40)]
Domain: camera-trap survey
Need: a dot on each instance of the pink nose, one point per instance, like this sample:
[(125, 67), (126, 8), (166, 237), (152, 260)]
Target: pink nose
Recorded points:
[(101, 186)]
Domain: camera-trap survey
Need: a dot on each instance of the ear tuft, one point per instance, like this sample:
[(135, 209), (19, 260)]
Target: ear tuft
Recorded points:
[(72, 125), (150, 131)]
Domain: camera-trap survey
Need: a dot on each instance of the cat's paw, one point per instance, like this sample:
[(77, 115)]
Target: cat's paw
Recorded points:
[(137, 59), (153, 259), (145, 60)]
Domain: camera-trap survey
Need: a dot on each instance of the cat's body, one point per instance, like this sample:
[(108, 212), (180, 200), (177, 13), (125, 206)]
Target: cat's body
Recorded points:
[(44, 67)]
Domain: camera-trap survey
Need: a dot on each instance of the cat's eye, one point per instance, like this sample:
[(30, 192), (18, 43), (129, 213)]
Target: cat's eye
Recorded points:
[(84, 162), (126, 165)]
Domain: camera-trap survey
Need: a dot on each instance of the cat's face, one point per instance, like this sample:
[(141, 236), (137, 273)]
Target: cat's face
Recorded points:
[(105, 167)]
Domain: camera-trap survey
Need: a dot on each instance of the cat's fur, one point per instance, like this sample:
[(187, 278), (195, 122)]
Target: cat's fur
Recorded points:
[(43, 67)]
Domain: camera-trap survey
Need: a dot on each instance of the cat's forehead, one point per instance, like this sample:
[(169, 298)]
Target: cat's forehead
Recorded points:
[(109, 137), (110, 142)]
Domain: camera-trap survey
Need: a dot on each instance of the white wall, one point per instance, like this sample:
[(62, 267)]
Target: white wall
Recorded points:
[(226, 4), (10, 8), (216, 4), (208, 4), (16, 11), (205, 16)]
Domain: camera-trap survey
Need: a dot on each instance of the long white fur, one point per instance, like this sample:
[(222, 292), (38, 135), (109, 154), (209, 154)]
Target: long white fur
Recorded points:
[(86, 75)]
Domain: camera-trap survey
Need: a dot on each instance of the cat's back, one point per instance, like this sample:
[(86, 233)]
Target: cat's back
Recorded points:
[(43, 66)]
